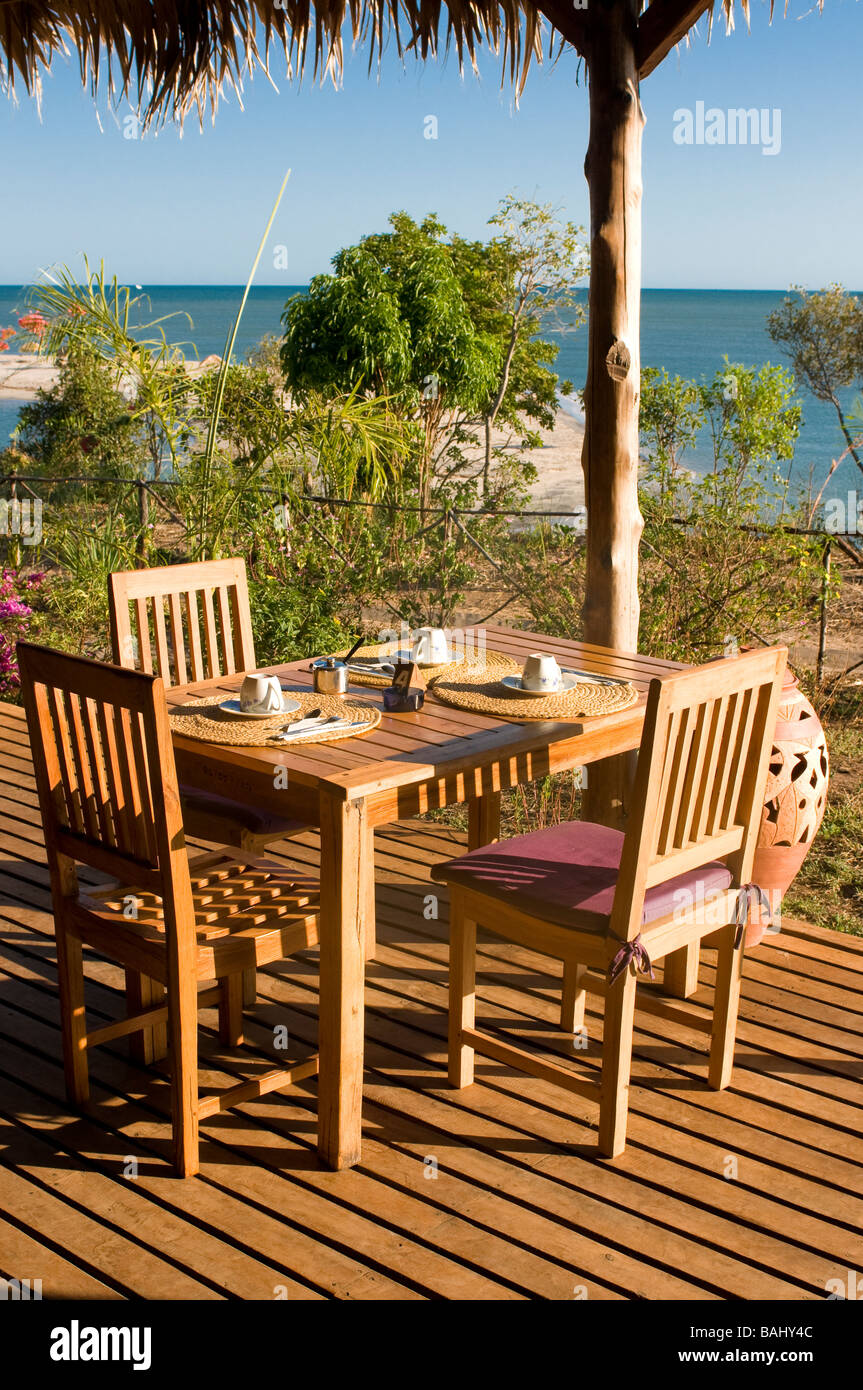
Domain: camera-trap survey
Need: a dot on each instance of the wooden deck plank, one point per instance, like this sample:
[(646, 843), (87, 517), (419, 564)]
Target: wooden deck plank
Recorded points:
[(521, 1207), (23, 1257)]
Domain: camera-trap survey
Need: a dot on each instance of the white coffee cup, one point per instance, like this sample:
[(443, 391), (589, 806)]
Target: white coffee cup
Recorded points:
[(430, 645), (541, 673), (260, 694)]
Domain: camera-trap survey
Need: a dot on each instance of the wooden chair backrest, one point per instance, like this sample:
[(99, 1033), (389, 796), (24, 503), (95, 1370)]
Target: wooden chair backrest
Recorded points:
[(183, 622), (701, 777), (106, 777)]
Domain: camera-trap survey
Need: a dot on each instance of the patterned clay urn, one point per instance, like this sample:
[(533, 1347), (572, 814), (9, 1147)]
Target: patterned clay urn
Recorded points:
[(795, 797)]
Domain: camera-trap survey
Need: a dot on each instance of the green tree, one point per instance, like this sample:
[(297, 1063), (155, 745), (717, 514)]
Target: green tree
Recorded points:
[(95, 315), (717, 563), (82, 424), (392, 321), (516, 285), (822, 334)]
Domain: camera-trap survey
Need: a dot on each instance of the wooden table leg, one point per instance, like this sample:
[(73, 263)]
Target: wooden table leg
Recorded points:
[(345, 868), (483, 820), (370, 910)]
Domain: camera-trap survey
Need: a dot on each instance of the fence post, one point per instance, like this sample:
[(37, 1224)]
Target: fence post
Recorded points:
[(822, 634), (14, 546), (143, 518)]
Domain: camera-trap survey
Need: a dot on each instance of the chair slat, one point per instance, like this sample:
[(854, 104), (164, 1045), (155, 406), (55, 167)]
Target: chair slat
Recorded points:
[(701, 803), (175, 614), (163, 663), (143, 782), (193, 626), (97, 763), (208, 628), (671, 736), (81, 763), (693, 776), (679, 754), (71, 794), (229, 665), (728, 744), (210, 640), (118, 798), (142, 626), (741, 754)]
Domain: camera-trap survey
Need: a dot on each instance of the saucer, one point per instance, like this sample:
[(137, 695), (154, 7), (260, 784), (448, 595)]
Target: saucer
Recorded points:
[(405, 655), (234, 707), (514, 685)]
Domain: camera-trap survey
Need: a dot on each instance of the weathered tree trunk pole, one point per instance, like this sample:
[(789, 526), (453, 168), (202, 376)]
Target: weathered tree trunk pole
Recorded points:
[(610, 455)]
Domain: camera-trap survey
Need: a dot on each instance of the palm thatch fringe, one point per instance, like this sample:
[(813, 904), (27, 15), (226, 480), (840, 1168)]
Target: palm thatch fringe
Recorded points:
[(169, 57)]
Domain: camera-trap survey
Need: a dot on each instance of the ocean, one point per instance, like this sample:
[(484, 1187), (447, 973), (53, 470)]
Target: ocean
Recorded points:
[(686, 331)]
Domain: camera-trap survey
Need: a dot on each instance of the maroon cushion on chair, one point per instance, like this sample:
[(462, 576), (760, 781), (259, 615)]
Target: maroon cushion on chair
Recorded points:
[(569, 869)]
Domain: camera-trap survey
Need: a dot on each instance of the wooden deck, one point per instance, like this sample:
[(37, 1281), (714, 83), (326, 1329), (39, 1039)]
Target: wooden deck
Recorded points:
[(493, 1193)]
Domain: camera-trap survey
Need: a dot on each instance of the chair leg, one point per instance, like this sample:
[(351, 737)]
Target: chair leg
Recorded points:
[(616, 1064), (73, 1020), (149, 1044), (574, 996), (726, 1001), (250, 988), (231, 999), (183, 1049), (680, 971), (462, 994)]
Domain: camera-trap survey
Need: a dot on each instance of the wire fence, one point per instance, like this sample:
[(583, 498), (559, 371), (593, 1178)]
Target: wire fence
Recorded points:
[(17, 512)]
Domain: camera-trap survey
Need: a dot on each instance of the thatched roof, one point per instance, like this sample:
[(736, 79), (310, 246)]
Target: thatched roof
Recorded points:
[(171, 56)]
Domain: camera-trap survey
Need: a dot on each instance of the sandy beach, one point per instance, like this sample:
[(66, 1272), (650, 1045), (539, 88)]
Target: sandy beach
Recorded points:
[(559, 488)]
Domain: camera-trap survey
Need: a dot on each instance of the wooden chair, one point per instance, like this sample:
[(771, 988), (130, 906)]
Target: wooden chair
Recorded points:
[(594, 897), (192, 623), (109, 800)]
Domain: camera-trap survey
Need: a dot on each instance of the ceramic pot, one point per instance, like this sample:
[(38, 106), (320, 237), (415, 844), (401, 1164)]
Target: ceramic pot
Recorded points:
[(795, 797)]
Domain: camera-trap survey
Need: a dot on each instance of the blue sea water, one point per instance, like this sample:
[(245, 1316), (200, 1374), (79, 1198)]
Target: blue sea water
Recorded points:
[(686, 331)]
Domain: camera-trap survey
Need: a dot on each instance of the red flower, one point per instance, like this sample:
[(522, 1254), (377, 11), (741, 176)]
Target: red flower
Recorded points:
[(33, 323)]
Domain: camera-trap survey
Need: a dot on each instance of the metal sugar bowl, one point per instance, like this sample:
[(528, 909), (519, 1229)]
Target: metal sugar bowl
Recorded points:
[(330, 675)]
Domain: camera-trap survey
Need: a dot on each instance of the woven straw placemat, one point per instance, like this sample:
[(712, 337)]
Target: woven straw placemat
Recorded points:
[(202, 719), (587, 699), (474, 666)]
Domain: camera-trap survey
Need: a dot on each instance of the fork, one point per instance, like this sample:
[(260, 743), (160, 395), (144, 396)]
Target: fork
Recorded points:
[(321, 721)]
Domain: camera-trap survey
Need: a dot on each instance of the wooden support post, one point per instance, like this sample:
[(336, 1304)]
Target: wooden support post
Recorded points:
[(345, 896), (610, 451)]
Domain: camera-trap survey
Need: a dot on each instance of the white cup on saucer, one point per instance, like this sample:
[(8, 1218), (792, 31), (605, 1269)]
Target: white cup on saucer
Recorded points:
[(260, 694), (430, 646), (541, 673)]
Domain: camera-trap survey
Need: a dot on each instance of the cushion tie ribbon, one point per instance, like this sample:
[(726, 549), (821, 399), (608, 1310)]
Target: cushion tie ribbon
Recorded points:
[(631, 951), (743, 905)]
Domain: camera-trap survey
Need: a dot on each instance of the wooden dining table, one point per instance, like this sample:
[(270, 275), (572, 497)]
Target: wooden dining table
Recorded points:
[(410, 763)]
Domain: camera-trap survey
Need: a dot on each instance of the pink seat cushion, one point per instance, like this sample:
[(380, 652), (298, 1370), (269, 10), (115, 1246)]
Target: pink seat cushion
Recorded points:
[(567, 874)]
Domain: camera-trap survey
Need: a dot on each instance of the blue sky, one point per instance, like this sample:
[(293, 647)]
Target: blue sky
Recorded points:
[(171, 210)]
